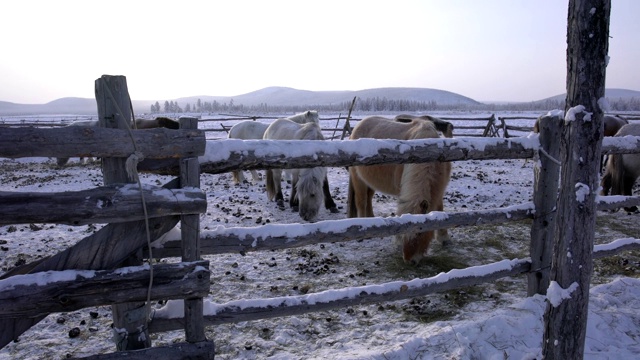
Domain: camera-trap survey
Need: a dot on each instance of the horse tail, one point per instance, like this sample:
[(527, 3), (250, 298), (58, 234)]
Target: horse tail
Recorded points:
[(352, 211), (616, 168), (270, 184)]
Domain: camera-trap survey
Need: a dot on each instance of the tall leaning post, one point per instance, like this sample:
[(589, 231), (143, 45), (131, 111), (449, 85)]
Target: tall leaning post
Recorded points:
[(114, 111), (565, 318), (190, 233), (545, 196)]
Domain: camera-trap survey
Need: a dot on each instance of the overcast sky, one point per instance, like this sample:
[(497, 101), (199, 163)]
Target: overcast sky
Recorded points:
[(489, 50)]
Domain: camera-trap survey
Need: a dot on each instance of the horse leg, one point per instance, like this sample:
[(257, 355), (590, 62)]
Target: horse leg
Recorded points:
[(442, 234), (360, 197), (255, 176), (237, 176), (274, 188), (293, 200), (627, 184), (328, 200), (277, 180)]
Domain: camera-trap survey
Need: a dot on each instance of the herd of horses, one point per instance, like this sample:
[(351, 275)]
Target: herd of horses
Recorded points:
[(419, 188)]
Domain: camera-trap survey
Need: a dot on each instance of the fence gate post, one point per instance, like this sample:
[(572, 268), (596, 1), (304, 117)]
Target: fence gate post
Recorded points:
[(565, 318), (190, 231), (545, 196), (114, 111)]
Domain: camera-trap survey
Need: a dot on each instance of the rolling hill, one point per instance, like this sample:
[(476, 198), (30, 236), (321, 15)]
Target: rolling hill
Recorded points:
[(611, 94), (273, 96)]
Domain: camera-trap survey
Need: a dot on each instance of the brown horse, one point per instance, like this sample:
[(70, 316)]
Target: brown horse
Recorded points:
[(622, 170), (159, 122), (611, 123), (445, 127), (419, 187)]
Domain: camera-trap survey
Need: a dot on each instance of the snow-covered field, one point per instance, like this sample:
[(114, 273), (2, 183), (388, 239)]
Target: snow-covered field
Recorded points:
[(490, 321)]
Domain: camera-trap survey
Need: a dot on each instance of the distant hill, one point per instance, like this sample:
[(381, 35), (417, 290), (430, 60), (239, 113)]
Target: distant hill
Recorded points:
[(611, 94), (284, 96), (274, 96)]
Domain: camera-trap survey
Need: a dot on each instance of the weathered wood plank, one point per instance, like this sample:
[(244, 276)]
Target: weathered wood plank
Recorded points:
[(41, 293), (230, 154), (101, 250), (107, 204), (75, 141), (190, 232), (545, 195), (238, 311), (565, 321), (114, 111), (241, 240)]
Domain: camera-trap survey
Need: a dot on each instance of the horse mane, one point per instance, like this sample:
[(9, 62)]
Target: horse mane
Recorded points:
[(416, 178), (309, 178), (309, 131), (309, 116)]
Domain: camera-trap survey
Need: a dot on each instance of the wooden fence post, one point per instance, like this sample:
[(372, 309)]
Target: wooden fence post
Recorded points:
[(346, 130), (545, 195), (568, 295), (190, 231), (114, 111)]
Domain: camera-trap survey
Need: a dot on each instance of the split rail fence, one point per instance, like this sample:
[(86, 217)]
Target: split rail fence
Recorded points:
[(24, 303)]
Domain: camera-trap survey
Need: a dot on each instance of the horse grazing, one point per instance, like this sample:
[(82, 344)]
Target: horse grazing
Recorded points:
[(419, 187), (622, 170), (309, 186), (247, 130), (253, 130), (444, 127)]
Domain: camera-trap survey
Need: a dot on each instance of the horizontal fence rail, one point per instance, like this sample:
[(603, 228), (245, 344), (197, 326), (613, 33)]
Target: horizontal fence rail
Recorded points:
[(259, 309), (47, 292), (77, 141), (107, 204)]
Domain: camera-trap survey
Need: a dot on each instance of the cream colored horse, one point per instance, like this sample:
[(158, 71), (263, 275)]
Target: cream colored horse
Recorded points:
[(419, 187)]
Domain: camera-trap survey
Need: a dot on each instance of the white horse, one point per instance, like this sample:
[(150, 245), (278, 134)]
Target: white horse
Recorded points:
[(308, 184), (247, 130), (305, 117), (254, 130)]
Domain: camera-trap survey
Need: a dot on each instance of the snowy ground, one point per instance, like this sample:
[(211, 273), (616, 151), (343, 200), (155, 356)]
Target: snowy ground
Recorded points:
[(490, 321)]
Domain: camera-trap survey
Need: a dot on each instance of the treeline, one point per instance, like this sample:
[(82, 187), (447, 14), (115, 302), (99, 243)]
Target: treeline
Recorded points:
[(376, 104)]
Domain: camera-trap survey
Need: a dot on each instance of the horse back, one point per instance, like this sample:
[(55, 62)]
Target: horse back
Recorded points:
[(378, 127)]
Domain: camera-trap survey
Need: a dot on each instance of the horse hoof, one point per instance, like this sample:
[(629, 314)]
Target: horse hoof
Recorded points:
[(334, 210), (446, 243), (295, 209), (280, 204)]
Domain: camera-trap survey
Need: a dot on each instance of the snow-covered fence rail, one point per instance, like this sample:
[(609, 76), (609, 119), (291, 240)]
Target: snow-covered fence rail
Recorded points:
[(258, 309)]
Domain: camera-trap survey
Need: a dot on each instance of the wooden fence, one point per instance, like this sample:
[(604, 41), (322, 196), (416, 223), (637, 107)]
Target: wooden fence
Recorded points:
[(135, 214), (18, 314)]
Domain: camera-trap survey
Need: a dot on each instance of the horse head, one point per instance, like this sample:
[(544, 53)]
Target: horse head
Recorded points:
[(309, 192)]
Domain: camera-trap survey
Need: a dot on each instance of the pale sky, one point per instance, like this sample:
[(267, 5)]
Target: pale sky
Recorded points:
[(489, 50)]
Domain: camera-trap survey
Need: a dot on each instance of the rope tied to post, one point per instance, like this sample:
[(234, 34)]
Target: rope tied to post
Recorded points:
[(131, 164)]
